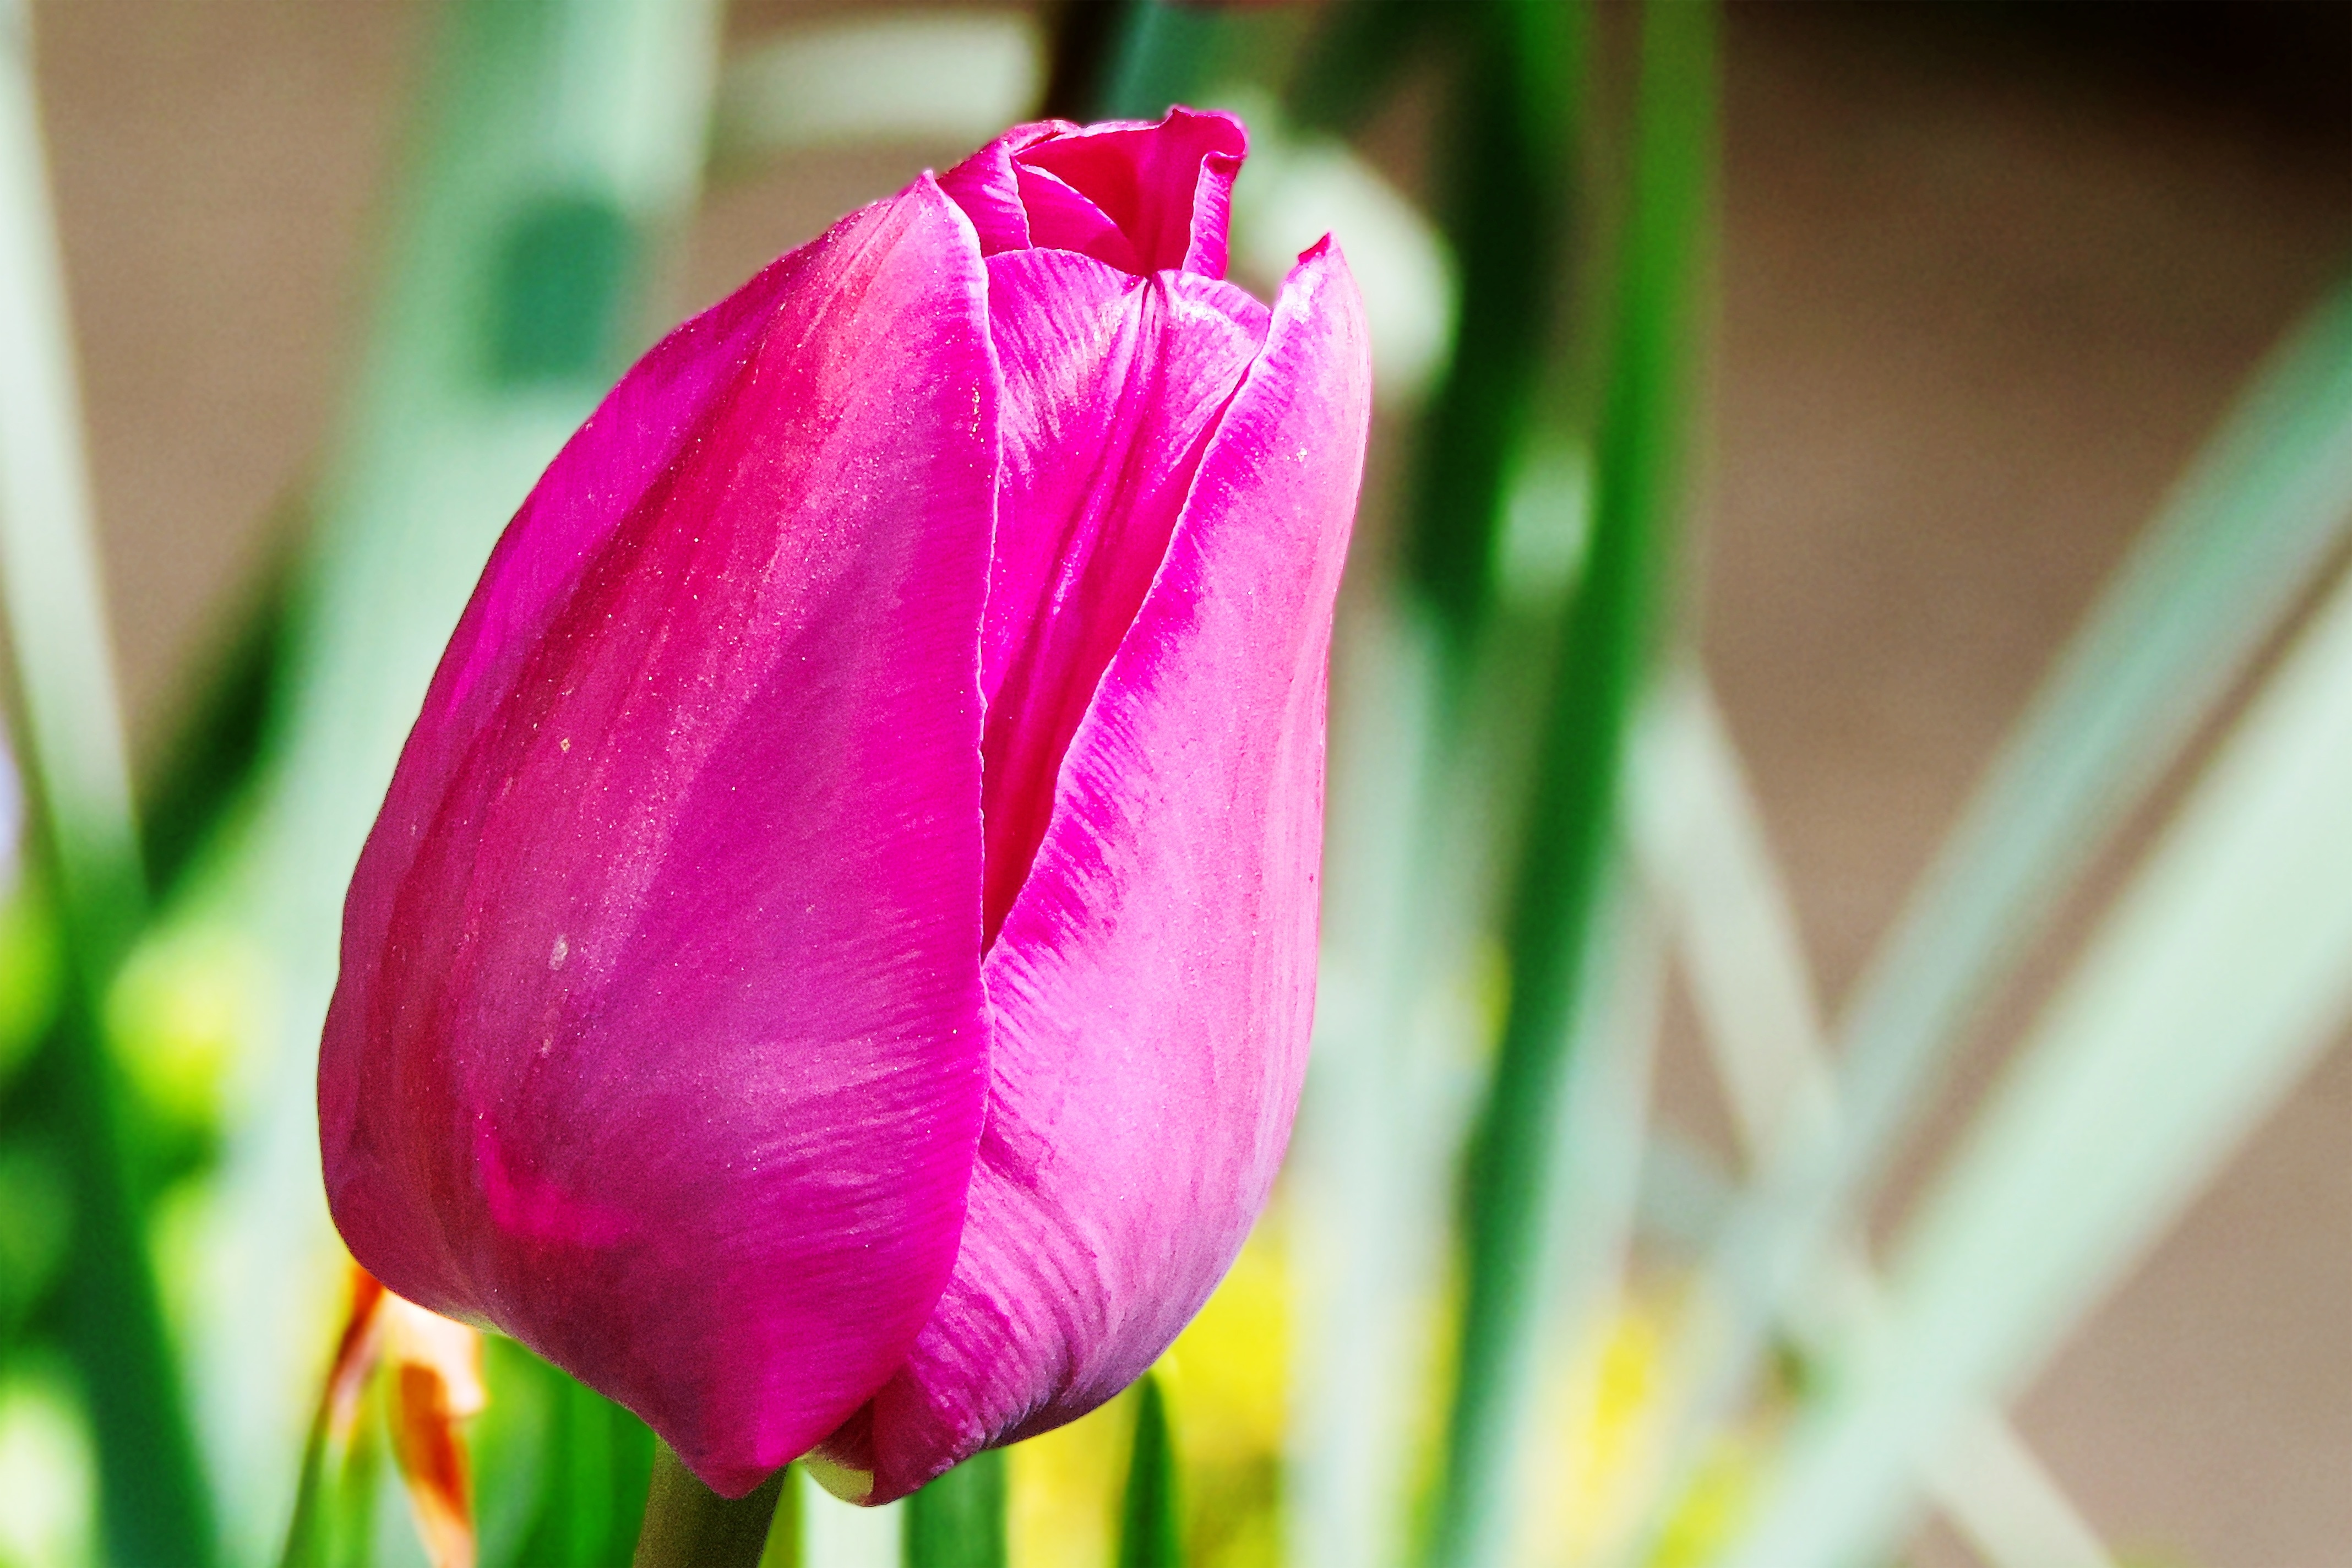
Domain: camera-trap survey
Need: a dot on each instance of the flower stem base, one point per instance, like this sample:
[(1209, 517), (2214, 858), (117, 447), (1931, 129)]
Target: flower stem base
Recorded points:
[(687, 1525)]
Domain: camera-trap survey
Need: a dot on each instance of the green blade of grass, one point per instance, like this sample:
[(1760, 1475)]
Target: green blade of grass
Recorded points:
[(153, 1503), (1381, 1114), (1601, 661), (787, 1544), (1592, 1192), (2004, 1502), (1701, 842), (1701, 838), (1081, 36), (2218, 975), (1162, 55), (1511, 158), (1165, 53), (358, 1487), (207, 768), (2238, 540), (558, 142), (1151, 1524), (1357, 54), (153, 1507), (958, 1520), (54, 595), (567, 1470)]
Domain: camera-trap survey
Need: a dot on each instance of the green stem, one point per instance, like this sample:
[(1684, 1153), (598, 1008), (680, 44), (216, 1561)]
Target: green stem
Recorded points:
[(153, 1505), (1511, 158), (958, 1520), (1359, 49), (687, 1525), (55, 593), (1603, 657), (1162, 56), (1084, 37)]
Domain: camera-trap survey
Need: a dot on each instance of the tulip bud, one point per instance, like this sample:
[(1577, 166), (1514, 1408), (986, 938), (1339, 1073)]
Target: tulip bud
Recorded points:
[(835, 960)]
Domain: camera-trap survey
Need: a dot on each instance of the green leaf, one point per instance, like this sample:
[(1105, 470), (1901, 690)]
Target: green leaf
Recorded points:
[(1359, 51), (567, 1470), (1510, 150), (958, 1520), (1151, 1528), (153, 1503), (1701, 838), (1602, 662)]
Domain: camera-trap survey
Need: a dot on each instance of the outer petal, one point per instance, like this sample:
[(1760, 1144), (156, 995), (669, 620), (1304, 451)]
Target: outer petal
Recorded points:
[(1153, 985), (659, 1041)]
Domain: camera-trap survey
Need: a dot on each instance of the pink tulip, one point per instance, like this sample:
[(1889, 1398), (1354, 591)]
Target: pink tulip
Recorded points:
[(834, 964)]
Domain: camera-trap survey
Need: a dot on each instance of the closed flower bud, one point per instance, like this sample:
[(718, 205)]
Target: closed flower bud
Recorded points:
[(834, 964)]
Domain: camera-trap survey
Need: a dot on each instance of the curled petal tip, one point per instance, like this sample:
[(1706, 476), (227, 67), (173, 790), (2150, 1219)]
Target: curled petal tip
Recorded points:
[(1142, 197)]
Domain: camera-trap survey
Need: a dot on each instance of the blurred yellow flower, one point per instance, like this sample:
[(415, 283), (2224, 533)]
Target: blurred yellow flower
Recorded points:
[(1605, 1407), (1228, 1383), (1227, 1380), (1063, 1505)]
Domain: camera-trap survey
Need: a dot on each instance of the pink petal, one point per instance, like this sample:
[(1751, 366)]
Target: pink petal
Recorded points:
[(1112, 385), (1143, 198), (1060, 217), (988, 188), (660, 1041), (1168, 186), (1152, 986)]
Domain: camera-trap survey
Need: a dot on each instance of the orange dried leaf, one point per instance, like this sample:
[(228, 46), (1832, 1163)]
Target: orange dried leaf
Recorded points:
[(355, 1356), (436, 1369)]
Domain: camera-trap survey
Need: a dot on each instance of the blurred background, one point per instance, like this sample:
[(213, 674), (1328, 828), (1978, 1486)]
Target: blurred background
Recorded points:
[(1981, 279)]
